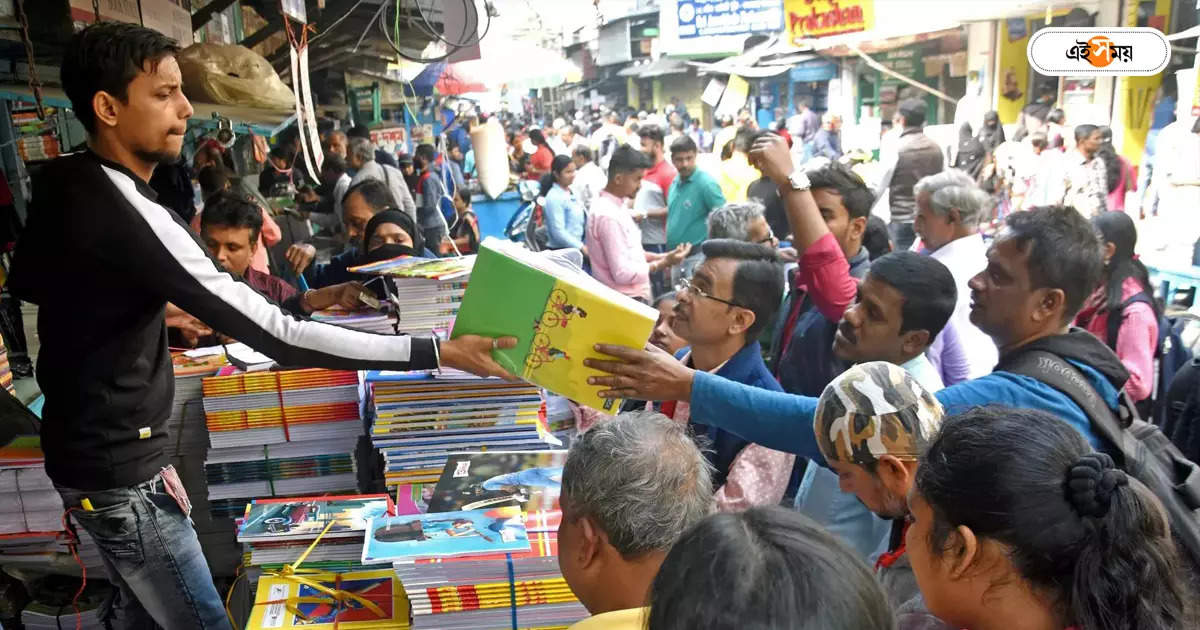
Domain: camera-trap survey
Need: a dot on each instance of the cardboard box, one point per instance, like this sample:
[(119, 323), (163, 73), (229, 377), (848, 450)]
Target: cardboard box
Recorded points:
[(114, 10), (168, 18)]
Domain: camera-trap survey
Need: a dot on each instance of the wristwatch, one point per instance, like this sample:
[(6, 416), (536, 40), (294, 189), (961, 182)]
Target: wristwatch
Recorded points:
[(798, 180)]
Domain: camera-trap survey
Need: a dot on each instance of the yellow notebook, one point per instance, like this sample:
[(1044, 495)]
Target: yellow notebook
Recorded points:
[(557, 315)]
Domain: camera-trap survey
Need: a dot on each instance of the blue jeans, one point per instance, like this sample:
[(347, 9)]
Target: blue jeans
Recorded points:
[(152, 555)]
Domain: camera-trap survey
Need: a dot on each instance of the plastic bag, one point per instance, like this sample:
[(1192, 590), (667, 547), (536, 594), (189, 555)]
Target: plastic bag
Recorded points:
[(228, 74)]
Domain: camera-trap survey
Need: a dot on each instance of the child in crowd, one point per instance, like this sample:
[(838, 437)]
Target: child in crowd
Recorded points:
[(465, 230)]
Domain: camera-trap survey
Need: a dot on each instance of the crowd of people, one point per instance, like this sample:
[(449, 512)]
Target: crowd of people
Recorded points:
[(841, 421)]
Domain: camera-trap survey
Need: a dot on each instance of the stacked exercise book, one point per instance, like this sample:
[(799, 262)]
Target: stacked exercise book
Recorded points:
[(321, 539), (280, 434), (423, 294), (485, 555), (421, 417), (31, 513)]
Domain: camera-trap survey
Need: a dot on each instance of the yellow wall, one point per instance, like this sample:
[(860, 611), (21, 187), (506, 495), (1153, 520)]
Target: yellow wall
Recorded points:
[(1134, 100), (1012, 58), (631, 93)]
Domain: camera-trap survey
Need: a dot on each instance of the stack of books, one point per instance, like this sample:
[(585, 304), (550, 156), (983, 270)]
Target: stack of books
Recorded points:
[(53, 609), (418, 418), (423, 294), (257, 408), (28, 500), (374, 321), (282, 602), (276, 531), (278, 434), (486, 553)]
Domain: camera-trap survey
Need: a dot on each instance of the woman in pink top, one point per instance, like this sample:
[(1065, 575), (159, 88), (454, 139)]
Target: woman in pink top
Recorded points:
[(1125, 277), (614, 241)]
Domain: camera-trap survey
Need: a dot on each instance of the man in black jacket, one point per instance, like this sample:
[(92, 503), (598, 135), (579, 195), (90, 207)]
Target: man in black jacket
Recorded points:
[(101, 259), (916, 156)]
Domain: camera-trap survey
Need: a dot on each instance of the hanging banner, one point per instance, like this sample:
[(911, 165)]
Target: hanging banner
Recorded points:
[(709, 18), (807, 19)]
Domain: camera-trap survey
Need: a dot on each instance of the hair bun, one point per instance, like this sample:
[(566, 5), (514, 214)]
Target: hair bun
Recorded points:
[(1091, 483)]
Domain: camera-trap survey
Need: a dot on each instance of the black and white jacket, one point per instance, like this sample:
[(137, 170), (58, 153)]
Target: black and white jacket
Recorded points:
[(101, 259)]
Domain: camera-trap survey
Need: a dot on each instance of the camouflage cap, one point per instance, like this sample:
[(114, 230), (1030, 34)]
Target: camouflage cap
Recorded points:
[(875, 409)]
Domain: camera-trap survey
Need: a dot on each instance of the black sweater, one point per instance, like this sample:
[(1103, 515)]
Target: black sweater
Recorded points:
[(101, 259)]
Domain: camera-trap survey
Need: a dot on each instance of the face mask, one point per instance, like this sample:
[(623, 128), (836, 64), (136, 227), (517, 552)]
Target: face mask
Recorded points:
[(389, 251), (351, 172)]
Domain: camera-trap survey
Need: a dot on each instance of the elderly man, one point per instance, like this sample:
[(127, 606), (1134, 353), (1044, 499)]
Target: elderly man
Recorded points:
[(336, 143), (631, 487), (890, 403), (742, 221), (950, 207), (360, 158)]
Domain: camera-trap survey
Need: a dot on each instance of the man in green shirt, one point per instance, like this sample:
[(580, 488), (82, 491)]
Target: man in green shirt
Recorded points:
[(694, 194)]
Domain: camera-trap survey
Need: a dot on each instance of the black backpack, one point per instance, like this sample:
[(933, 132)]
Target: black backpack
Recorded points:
[(1143, 451), (1170, 355), (1182, 405)]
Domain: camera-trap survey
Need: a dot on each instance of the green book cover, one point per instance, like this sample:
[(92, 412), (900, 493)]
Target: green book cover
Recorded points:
[(556, 314)]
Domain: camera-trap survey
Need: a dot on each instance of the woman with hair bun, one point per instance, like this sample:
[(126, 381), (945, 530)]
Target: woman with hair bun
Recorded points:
[(1017, 523)]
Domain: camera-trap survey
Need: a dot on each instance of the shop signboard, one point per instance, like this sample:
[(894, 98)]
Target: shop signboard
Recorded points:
[(808, 19), (709, 18)]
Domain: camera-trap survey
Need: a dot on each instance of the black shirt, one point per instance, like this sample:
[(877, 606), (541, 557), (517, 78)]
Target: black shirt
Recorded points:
[(101, 259)]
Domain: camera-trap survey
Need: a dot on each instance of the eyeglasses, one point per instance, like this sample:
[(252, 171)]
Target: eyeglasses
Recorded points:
[(685, 284)]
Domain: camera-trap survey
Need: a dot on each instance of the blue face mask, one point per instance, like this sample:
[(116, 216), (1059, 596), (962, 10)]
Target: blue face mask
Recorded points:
[(351, 172)]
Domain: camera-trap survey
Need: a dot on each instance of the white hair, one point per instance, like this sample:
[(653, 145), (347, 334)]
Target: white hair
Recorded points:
[(641, 478), (733, 220), (954, 189)]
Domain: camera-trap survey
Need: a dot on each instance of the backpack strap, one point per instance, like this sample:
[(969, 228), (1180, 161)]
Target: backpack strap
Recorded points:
[(1061, 375), (1114, 323)]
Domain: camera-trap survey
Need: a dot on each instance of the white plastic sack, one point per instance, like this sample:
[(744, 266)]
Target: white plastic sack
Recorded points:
[(491, 157), (228, 74)]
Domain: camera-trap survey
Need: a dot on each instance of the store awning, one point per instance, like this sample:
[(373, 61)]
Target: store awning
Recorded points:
[(263, 122), (657, 68), (768, 59)]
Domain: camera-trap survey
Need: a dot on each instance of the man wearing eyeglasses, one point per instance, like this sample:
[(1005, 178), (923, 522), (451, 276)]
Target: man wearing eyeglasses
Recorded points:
[(720, 313)]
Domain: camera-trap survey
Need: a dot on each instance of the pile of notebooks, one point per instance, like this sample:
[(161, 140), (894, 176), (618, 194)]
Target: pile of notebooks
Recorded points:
[(52, 608), (278, 434), (278, 531), (378, 602), (374, 321), (485, 556), (31, 514), (418, 418), (423, 294), (258, 408)]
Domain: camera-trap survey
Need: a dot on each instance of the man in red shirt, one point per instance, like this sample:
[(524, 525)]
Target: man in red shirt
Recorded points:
[(650, 204)]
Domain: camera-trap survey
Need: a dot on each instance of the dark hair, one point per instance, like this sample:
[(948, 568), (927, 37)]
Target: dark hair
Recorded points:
[(424, 155), (582, 151), (1083, 131), (537, 137), (1056, 116), (106, 57), (1118, 228), (1112, 163), (212, 179), (743, 139), (1075, 528), (876, 238), (653, 133), (684, 144), (1038, 139), (359, 131), (663, 297), (546, 182), (463, 194), (625, 159), (913, 111), (1064, 252), (374, 193), (228, 209), (757, 281), (928, 287), (856, 196), (766, 567)]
